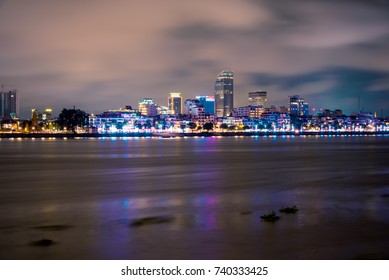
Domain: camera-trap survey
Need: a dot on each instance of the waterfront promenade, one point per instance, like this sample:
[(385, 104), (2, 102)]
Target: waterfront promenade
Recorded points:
[(186, 134)]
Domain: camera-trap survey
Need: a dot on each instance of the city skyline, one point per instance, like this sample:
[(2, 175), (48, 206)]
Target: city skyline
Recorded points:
[(111, 54)]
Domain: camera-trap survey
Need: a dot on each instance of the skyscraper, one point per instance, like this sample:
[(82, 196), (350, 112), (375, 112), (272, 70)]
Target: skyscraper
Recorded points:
[(175, 103), (224, 93), (9, 104), (258, 98)]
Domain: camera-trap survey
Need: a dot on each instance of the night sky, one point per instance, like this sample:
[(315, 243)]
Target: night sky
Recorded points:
[(101, 55)]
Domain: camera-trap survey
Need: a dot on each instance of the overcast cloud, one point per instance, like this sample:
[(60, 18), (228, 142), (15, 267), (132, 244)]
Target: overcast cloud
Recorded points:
[(101, 55)]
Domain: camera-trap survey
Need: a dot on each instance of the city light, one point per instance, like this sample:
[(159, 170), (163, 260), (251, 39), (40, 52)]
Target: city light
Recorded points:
[(205, 114)]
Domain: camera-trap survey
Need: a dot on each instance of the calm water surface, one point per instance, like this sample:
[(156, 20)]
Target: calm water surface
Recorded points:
[(84, 194)]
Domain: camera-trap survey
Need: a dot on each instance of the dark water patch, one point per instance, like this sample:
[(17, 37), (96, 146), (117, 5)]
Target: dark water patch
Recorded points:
[(271, 217), (7, 228), (53, 227), (43, 242), (151, 221), (289, 210), (246, 212)]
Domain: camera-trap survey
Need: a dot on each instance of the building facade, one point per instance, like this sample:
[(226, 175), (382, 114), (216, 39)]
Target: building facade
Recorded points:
[(297, 106), (258, 98), (9, 103), (208, 102), (175, 103), (224, 94), (190, 105), (147, 107), (248, 111)]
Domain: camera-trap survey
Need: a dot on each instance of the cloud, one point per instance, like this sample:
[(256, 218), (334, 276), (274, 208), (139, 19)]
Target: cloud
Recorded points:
[(380, 85), (329, 88), (329, 23)]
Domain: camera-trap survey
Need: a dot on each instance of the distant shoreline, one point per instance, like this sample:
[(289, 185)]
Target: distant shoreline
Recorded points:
[(195, 134)]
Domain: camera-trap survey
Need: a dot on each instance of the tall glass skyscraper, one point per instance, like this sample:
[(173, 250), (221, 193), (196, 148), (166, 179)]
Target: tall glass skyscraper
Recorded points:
[(224, 93), (9, 103)]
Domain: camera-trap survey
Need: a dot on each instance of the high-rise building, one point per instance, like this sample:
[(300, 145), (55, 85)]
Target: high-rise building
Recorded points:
[(9, 103), (258, 98), (297, 106), (189, 105), (175, 103), (208, 102), (147, 107), (224, 93)]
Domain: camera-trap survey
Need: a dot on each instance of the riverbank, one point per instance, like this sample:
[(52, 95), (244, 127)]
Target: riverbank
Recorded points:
[(186, 134)]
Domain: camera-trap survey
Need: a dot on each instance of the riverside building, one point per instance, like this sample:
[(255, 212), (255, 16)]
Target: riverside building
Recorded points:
[(208, 101), (297, 106), (175, 103), (9, 103), (258, 98), (147, 107), (224, 94)]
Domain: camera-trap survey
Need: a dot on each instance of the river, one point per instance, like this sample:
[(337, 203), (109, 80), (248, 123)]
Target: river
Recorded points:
[(203, 198)]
